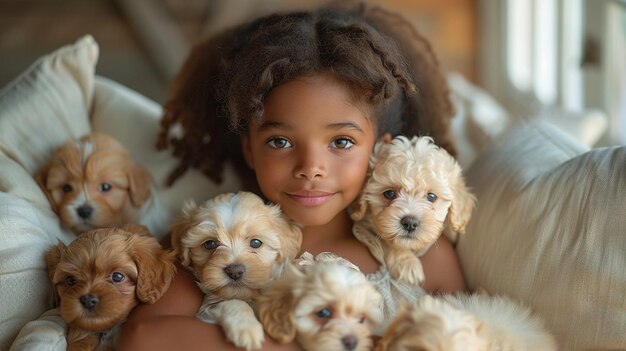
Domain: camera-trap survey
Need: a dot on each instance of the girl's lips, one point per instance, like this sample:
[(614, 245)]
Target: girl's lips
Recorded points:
[(310, 198)]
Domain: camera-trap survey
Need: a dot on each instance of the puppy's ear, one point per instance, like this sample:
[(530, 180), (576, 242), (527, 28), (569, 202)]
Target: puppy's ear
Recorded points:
[(358, 208), (41, 177), (290, 234), (155, 266), (276, 304), (139, 181), (136, 228), (53, 257), (460, 211), (182, 225)]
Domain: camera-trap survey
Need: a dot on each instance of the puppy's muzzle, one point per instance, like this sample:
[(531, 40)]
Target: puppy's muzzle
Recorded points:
[(349, 342), (409, 223), (89, 301), (235, 271), (84, 211)]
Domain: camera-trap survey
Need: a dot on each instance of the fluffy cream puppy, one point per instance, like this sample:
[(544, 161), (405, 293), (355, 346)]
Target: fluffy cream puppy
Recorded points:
[(415, 191), (468, 323), (324, 305), (235, 245)]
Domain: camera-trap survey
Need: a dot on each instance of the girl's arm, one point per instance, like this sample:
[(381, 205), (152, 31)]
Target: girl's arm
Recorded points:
[(170, 323), (442, 268)]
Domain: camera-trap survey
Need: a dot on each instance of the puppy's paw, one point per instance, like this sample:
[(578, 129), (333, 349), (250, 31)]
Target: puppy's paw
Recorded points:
[(246, 334), (407, 268)]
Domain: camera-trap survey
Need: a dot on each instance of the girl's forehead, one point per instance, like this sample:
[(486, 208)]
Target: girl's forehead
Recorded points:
[(321, 98)]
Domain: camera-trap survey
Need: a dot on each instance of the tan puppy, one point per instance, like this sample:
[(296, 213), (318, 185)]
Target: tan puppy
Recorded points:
[(101, 276), (415, 192), (324, 305), (234, 244), (93, 183), (468, 323)]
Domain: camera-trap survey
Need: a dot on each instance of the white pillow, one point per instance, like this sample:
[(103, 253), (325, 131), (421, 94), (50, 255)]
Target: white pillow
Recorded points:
[(550, 230), (39, 110)]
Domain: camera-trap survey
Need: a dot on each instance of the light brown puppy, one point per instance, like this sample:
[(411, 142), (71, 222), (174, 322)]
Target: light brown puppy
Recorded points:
[(466, 323), (324, 305), (415, 191), (101, 276), (235, 245), (93, 183)]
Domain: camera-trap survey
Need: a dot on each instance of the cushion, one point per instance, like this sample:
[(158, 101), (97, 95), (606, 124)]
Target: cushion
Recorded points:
[(57, 98), (39, 110), (549, 231)]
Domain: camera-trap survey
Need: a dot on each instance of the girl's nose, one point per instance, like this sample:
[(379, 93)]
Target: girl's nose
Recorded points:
[(311, 164)]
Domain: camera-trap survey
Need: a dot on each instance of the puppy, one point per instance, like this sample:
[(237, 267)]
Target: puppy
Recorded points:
[(234, 244), (324, 305), (93, 183), (466, 322), (415, 191), (101, 276)]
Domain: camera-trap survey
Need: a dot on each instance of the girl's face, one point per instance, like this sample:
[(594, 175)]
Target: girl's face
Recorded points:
[(311, 152)]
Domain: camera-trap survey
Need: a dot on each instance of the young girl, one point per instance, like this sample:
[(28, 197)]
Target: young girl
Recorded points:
[(295, 102)]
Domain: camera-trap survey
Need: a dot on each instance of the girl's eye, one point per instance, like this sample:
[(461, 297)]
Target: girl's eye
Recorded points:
[(210, 244), (343, 143), (117, 277), (324, 313), (431, 197), (255, 243), (279, 143), (67, 188), (70, 280), (105, 187), (390, 194)]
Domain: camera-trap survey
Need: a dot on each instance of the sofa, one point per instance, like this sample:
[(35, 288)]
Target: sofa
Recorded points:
[(549, 229)]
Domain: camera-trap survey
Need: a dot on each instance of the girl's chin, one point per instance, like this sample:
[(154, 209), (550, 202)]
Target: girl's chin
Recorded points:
[(312, 218)]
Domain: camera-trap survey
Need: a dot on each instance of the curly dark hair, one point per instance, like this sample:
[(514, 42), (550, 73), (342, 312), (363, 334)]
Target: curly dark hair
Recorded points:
[(380, 56)]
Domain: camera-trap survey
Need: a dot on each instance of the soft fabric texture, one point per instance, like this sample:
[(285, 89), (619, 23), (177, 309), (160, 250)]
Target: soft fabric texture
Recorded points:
[(46, 333), (549, 230), (394, 293), (57, 98)]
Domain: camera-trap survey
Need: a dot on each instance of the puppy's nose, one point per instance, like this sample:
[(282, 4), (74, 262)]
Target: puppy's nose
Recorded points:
[(235, 271), (349, 342), (89, 301), (84, 211), (409, 223)]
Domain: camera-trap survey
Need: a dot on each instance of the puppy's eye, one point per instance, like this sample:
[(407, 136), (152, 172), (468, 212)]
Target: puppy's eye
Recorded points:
[(431, 197), (255, 243), (117, 277), (70, 280), (324, 313), (362, 320), (67, 188), (105, 187), (210, 244), (390, 194)]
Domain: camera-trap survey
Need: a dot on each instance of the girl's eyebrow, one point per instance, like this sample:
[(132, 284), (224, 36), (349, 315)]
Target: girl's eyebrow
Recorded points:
[(346, 125), (273, 125), (334, 126)]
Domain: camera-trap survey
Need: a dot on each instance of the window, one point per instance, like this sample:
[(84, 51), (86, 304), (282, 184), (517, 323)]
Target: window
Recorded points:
[(568, 54)]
